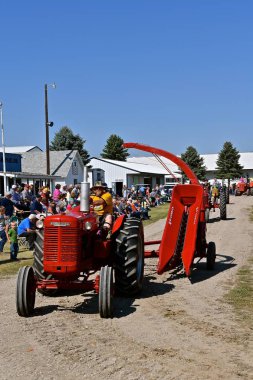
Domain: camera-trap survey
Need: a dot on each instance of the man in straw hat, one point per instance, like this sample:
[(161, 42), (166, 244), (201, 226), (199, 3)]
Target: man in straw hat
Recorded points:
[(102, 204)]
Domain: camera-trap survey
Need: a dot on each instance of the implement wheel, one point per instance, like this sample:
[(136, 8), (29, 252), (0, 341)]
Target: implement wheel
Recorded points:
[(106, 292), (207, 214), (210, 255), (25, 291), (38, 263), (223, 205), (129, 258)]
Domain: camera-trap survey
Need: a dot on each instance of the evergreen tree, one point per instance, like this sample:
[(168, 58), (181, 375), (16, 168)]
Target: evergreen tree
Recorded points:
[(228, 166), (66, 140), (113, 149), (195, 162)]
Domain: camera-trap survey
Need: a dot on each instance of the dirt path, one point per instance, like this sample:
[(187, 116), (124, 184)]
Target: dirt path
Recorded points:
[(175, 330)]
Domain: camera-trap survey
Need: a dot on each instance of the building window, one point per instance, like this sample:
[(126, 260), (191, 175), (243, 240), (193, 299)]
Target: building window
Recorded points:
[(74, 168)]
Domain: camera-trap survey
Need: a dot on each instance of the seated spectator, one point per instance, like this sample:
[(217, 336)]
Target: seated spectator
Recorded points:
[(16, 197), (62, 203), (36, 206), (52, 208), (115, 207), (27, 228), (132, 209), (122, 206), (153, 198), (26, 195)]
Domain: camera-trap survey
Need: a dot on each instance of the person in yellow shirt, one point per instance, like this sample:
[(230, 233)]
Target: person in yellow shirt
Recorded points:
[(214, 195), (102, 204)]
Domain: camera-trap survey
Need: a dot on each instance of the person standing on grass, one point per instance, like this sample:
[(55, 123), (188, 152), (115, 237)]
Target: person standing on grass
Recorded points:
[(13, 240), (3, 235)]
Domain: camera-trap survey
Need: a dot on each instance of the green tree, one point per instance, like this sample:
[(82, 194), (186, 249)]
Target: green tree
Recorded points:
[(195, 162), (228, 166), (113, 149), (66, 140)]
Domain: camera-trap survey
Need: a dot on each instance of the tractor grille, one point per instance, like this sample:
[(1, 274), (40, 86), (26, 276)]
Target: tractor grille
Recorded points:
[(61, 244)]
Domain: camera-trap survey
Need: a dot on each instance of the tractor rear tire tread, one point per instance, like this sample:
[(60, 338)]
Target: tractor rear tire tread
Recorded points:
[(223, 206), (129, 258)]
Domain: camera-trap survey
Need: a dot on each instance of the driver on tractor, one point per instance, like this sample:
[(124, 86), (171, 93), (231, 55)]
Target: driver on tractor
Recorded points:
[(102, 204)]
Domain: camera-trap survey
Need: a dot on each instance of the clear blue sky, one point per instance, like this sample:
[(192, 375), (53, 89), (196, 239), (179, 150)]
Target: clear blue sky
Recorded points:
[(167, 73)]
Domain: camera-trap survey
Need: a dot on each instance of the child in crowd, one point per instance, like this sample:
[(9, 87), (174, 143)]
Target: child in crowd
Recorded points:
[(13, 239)]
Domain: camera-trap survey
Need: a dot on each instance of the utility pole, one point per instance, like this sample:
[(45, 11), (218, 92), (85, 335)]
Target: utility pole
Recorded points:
[(3, 145), (47, 125)]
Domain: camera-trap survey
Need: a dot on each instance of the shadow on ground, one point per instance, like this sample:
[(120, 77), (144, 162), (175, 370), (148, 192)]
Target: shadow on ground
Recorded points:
[(200, 273), (123, 306)]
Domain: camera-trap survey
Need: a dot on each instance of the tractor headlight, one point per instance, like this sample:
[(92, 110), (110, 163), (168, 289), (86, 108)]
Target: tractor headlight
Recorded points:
[(40, 224), (87, 226)]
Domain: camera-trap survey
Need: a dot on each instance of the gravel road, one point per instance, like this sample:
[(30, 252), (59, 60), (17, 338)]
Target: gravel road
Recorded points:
[(176, 329)]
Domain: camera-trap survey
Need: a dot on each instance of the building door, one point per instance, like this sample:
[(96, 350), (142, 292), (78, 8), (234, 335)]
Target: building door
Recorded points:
[(117, 188)]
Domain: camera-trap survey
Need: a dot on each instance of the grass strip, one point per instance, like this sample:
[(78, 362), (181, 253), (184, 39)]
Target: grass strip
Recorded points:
[(241, 295), (8, 267), (157, 213)]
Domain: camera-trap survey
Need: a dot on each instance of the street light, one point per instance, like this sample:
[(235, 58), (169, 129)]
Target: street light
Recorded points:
[(4, 162), (48, 124)]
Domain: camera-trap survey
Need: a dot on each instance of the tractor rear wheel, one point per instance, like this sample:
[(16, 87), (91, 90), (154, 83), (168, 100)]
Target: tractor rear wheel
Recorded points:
[(106, 292), (38, 263), (223, 205), (129, 257), (210, 255), (25, 291)]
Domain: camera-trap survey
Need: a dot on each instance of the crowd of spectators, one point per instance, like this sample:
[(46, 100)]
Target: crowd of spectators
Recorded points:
[(20, 205), (137, 201)]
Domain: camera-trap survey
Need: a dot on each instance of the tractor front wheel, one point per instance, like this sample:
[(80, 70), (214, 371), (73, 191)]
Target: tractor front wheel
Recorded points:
[(129, 258), (210, 255), (106, 292), (38, 263), (25, 291)]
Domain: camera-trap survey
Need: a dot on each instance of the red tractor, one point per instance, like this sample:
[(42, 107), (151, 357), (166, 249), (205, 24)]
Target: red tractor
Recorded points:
[(216, 201), (69, 249), (71, 254), (244, 188)]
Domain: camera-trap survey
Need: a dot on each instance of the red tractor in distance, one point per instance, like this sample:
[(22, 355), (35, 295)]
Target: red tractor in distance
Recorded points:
[(69, 249), (243, 187), (216, 201)]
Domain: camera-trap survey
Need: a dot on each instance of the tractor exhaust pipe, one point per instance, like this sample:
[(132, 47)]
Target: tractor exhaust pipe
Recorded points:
[(85, 192)]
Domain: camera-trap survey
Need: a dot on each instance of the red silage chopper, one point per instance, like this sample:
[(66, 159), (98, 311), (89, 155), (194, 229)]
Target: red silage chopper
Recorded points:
[(69, 247), (184, 235)]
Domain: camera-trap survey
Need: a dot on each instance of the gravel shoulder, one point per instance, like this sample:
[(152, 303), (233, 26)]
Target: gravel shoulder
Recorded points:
[(176, 329)]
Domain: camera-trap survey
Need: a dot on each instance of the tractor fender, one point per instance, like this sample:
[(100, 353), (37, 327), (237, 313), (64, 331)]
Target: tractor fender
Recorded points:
[(118, 223)]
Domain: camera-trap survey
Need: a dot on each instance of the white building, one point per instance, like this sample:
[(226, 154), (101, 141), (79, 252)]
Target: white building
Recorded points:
[(129, 173)]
